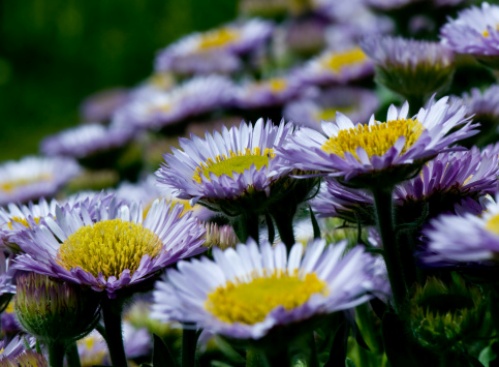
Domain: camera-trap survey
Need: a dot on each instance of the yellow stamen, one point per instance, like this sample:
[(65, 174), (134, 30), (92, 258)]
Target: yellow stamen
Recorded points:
[(374, 139), (486, 32), (9, 186), (250, 302), (218, 38), (337, 61), (23, 221), (108, 247), (276, 84), (329, 114), (492, 224), (235, 162)]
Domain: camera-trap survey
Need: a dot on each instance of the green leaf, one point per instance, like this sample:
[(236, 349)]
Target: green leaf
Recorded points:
[(315, 225)]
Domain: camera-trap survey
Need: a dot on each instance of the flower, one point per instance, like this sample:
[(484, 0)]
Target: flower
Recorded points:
[(215, 50), (454, 239), (158, 109), (86, 140), (10, 350), (410, 67), (474, 32), (126, 247), (337, 66), (100, 106), (228, 165), (269, 92), (32, 178), (356, 103), (245, 292), (364, 151)]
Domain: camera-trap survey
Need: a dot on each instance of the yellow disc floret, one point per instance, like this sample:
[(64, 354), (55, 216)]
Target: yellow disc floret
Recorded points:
[(218, 38), (237, 162), (492, 224), (108, 247), (339, 60), (374, 139), (11, 185), (250, 302)]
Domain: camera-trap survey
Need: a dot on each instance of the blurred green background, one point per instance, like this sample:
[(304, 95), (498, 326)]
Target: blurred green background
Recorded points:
[(54, 53)]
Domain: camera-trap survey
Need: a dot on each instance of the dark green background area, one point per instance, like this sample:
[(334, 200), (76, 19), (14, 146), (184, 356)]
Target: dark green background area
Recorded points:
[(54, 53)]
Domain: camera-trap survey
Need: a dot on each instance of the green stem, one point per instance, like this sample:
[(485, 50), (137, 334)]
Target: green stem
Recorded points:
[(189, 341), (56, 354), (246, 226), (72, 356), (385, 220), (256, 358), (284, 223), (111, 313)]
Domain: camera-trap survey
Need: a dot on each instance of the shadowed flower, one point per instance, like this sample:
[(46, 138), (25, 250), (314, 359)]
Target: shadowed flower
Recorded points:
[(99, 107), (32, 178), (415, 69), (369, 151), (117, 248), (247, 291)]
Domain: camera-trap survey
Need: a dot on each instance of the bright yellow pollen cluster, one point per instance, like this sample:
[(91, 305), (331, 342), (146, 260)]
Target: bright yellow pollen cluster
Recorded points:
[(277, 84), (9, 186), (23, 221), (486, 32), (250, 302), (329, 114), (374, 139), (492, 224), (108, 247), (337, 61), (236, 162), (218, 38)]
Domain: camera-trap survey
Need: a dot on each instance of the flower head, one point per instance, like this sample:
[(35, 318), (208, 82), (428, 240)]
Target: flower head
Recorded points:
[(355, 103), (401, 143), (100, 106), (475, 31), (410, 67), (117, 247), (338, 66), (215, 50), (228, 165), (159, 109), (32, 178), (86, 140), (245, 292)]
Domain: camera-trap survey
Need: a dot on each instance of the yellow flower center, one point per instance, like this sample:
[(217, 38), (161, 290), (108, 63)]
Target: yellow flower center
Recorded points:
[(23, 221), (337, 61), (492, 224), (11, 185), (250, 302), (235, 162), (329, 114), (486, 32), (374, 139), (218, 38), (94, 353), (108, 247)]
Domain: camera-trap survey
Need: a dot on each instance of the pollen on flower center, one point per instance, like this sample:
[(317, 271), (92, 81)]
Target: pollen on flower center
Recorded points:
[(374, 139), (329, 114), (250, 302), (21, 220), (11, 185), (486, 32), (492, 224), (218, 38), (337, 61), (108, 247), (237, 162)]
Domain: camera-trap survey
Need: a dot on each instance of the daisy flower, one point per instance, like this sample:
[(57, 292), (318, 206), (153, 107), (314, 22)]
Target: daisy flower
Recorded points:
[(247, 291), (99, 107), (475, 32), (32, 178), (355, 103), (228, 165), (338, 66), (159, 109), (86, 140), (410, 67), (125, 247), (398, 146), (215, 50), (467, 238)]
